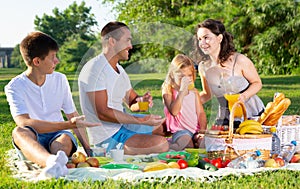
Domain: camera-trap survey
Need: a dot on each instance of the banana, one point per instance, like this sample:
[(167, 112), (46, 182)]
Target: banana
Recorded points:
[(251, 129), (249, 122), (254, 132), (155, 166)]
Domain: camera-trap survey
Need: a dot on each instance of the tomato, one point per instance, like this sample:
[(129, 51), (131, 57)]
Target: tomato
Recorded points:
[(182, 164), (216, 162), (225, 163), (207, 160)]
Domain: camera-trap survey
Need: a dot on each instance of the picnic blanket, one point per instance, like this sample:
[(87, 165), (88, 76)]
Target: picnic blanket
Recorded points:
[(28, 171)]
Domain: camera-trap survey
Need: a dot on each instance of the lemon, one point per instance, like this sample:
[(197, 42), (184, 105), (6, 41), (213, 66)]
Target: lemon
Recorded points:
[(155, 166), (174, 165)]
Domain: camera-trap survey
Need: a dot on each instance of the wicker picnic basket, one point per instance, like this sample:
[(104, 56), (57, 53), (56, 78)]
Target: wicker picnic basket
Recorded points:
[(233, 145)]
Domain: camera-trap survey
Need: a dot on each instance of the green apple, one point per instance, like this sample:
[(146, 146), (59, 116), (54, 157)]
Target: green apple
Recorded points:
[(83, 164), (271, 163)]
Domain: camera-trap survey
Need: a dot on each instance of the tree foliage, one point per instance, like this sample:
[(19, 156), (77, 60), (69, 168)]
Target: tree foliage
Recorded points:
[(16, 58), (72, 29), (72, 53), (266, 31), (76, 19)]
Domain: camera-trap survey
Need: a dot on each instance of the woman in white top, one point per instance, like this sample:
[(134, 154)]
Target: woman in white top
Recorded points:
[(224, 71)]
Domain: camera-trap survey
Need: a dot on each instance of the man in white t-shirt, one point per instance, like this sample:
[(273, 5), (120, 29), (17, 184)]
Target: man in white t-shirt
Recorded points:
[(36, 98), (104, 86)]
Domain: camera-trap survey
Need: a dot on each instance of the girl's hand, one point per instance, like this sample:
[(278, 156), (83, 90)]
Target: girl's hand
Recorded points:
[(185, 81)]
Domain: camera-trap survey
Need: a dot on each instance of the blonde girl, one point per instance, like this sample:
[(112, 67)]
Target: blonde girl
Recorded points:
[(185, 115)]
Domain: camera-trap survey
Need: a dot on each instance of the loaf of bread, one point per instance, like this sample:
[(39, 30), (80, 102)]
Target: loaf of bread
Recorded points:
[(277, 112), (278, 97), (266, 113)]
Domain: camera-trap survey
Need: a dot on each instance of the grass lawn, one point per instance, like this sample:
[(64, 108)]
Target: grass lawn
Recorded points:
[(289, 85)]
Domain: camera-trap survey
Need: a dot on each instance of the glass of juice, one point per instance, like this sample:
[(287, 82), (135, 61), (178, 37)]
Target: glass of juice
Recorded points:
[(233, 98), (143, 105)]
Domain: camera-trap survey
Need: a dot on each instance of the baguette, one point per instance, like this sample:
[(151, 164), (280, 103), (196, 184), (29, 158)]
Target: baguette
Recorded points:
[(277, 112), (278, 97), (270, 106)]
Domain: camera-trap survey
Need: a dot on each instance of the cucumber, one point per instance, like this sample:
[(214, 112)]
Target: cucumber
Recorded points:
[(206, 166)]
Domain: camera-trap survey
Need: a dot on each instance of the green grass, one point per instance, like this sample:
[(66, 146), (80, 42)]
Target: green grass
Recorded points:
[(289, 85)]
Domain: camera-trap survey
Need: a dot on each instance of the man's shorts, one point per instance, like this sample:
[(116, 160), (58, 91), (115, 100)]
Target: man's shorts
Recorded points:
[(179, 134), (46, 139), (124, 133)]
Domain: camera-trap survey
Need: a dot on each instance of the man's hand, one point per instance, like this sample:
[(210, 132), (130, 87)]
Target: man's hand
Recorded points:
[(147, 97), (80, 122), (153, 120)]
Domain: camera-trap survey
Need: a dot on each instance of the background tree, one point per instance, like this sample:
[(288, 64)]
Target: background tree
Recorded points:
[(16, 58), (72, 29), (266, 31), (72, 52), (76, 19)]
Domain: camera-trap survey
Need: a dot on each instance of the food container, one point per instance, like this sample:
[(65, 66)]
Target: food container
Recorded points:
[(234, 145)]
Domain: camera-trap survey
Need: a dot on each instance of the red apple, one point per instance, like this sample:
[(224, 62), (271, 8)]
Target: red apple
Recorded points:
[(93, 161), (78, 157), (71, 165), (83, 164), (280, 161), (295, 158)]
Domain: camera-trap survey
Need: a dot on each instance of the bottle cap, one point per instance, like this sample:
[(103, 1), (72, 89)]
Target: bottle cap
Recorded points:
[(258, 153), (294, 142), (273, 129)]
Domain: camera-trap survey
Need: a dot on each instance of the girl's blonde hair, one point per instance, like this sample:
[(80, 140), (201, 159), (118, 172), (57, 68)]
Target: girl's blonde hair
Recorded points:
[(179, 62)]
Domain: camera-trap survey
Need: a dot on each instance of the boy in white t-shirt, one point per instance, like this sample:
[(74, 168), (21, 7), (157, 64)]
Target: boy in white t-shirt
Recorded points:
[(36, 98)]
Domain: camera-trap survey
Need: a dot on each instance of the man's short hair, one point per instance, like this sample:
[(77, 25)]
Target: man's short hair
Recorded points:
[(113, 29), (37, 44)]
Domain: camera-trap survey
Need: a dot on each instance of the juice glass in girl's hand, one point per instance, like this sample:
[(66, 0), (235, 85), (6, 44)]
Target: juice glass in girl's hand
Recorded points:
[(233, 98)]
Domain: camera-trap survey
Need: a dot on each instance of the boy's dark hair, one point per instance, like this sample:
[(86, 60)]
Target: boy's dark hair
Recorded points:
[(37, 44)]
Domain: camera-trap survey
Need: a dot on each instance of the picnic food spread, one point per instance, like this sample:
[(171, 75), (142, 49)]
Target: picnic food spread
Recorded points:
[(247, 146), (201, 162)]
